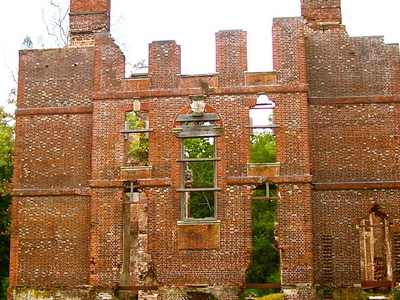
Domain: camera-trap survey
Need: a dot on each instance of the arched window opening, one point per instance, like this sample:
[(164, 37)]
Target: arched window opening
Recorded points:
[(262, 139), (198, 131), (262, 118)]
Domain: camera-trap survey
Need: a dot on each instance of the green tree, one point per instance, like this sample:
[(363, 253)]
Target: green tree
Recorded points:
[(200, 175), (27, 43), (6, 152), (138, 142), (265, 259), (264, 266), (263, 148)]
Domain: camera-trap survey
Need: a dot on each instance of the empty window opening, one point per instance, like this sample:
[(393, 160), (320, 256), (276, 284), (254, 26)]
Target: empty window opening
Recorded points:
[(262, 139), (198, 165), (262, 118), (264, 267), (131, 195), (137, 137), (375, 246)]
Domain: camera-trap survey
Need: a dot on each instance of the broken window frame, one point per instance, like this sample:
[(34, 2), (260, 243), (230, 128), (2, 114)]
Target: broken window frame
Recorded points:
[(195, 125), (141, 133), (186, 196), (263, 103)]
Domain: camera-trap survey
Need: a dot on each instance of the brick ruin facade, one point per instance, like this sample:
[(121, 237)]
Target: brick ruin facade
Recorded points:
[(87, 224)]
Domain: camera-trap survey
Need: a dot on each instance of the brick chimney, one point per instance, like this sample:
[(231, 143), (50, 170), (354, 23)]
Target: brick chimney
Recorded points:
[(164, 64), (321, 14), (231, 55), (89, 16)]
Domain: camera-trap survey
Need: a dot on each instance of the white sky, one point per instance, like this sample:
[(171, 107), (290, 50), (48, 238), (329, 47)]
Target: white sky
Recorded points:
[(191, 23)]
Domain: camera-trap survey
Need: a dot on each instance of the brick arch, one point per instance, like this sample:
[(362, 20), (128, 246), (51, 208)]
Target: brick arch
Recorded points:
[(208, 109)]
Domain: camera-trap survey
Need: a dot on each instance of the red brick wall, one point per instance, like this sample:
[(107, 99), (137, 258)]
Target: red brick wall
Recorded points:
[(355, 142), (89, 16), (321, 11), (339, 213), (353, 133), (105, 236), (50, 238), (53, 151), (336, 109), (227, 265), (339, 65), (55, 78), (89, 6)]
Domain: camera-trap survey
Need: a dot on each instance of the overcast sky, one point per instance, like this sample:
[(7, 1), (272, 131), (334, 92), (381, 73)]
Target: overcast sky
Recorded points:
[(191, 23)]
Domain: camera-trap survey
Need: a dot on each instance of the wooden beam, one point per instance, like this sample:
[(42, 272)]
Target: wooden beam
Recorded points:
[(263, 286), (375, 284)]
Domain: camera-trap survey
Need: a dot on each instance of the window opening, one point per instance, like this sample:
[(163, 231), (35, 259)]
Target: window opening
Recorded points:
[(375, 246), (137, 137), (131, 195), (198, 177), (264, 266), (262, 139), (198, 132), (262, 118)]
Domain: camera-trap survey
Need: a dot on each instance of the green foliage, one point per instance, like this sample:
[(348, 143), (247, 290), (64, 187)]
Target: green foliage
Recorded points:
[(134, 121), (396, 294), (200, 175), (139, 148), (3, 288), (6, 152), (27, 43), (278, 296), (138, 143), (264, 267), (263, 148)]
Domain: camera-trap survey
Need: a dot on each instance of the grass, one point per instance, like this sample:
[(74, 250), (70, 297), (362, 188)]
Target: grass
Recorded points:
[(272, 297)]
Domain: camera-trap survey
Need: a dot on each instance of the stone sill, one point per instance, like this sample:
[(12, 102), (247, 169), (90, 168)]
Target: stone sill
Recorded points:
[(135, 172), (263, 169)]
